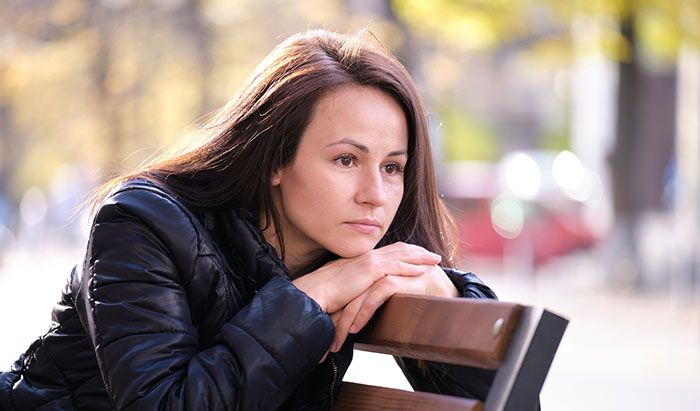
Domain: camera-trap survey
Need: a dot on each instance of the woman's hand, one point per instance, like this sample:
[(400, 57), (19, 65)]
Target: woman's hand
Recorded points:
[(353, 317), (337, 283)]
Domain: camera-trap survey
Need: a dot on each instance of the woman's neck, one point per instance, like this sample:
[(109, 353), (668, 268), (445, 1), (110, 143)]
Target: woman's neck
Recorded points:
[(299, 261)]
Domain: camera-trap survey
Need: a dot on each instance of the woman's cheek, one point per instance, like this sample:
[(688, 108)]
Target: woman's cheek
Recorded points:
[(396, 194)]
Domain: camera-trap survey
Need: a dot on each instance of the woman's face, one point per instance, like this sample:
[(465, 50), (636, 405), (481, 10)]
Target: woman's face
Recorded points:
[(345, 184)]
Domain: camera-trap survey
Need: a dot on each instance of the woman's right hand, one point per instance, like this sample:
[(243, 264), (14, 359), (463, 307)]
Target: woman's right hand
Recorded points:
[(337, 283)]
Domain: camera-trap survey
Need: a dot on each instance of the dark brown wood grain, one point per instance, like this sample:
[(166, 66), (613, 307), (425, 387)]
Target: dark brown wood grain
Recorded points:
[(369, 398), (452, 330)]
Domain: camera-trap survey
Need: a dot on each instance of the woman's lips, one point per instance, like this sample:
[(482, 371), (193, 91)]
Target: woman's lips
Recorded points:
[(364, 228)]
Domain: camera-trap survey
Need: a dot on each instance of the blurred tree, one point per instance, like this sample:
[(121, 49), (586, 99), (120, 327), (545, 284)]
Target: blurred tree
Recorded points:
[(476, 140), (8, 157), (644, 143), (110, 82), (483, 51), (29, 27)]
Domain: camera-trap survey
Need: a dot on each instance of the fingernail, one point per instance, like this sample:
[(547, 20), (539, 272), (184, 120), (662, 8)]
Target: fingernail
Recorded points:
[(353, 329)]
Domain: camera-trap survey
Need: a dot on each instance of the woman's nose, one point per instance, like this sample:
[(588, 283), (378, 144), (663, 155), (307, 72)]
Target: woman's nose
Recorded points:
[(371, 189)]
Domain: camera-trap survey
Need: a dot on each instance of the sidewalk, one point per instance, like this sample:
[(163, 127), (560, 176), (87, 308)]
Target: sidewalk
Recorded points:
[(30, 285), (622, 350)]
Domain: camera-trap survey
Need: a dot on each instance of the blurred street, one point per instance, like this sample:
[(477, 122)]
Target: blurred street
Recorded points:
[(621, 350)]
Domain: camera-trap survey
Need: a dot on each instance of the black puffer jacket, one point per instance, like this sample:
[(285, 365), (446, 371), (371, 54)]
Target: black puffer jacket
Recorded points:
[(189, 309)]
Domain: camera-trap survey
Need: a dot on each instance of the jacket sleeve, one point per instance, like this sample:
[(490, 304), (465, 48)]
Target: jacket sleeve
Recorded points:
[(469, 285), (457, 380), (134, 305)]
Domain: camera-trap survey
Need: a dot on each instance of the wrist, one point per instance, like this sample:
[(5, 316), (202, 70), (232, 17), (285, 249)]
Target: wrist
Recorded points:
[(452, 291), (449, 287), (445, 289), (442, 285), (317, 295)]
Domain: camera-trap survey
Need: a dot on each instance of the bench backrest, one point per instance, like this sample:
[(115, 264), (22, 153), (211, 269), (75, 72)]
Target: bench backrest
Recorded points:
[(518, 341)]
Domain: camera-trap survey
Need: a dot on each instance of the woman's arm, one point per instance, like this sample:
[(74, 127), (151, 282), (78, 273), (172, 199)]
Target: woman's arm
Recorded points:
[(133, 299)]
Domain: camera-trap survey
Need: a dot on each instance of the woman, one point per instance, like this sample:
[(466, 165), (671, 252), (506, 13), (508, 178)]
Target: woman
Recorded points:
[(235, 274)]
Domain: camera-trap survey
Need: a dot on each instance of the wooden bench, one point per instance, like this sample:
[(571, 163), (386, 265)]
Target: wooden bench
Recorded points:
[(518, 341)]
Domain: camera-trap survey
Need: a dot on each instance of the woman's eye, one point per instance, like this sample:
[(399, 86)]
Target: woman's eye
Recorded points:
[(345, 160), (392, 168)]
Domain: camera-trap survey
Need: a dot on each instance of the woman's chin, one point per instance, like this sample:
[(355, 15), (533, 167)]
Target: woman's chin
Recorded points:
[(351, 250)]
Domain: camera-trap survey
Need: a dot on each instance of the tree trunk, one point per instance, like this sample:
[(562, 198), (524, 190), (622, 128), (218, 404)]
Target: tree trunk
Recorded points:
[(191, 24), (643, 150)]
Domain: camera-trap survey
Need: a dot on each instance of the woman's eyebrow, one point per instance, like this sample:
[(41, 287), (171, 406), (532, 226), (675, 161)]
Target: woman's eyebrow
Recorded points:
[(398, 153), (352, 142), (364, 148)]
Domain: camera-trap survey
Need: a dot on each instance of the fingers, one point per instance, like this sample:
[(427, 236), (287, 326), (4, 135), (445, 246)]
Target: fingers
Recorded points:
[(408, 253), (337, 283), (357, 313), (345, 321), (335, 318), (404, 269), (376, 296), (399, 259)]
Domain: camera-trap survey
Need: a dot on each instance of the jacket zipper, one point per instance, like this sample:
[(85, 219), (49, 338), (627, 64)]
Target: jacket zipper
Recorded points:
[(335, 376)]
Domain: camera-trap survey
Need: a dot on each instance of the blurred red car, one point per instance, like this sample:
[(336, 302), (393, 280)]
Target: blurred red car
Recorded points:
[(491, 218)]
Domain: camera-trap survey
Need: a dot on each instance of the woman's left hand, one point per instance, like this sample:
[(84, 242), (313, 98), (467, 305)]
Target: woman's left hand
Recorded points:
[(354, 316)]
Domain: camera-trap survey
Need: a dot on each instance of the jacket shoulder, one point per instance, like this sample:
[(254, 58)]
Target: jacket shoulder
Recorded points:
[(158, 210)]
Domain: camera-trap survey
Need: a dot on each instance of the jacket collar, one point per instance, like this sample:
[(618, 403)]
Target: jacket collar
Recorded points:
[(257, 257)]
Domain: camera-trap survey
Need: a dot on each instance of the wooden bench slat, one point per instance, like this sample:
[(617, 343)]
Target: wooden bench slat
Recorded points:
[(370, 398), (426, 328)]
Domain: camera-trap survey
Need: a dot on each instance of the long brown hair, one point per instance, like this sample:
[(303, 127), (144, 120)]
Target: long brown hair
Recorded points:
[(258, 132)]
